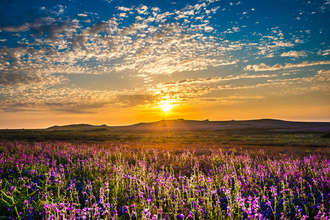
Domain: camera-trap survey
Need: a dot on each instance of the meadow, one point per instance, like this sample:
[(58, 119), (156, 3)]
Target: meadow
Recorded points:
[(74, 180), (246, 136)]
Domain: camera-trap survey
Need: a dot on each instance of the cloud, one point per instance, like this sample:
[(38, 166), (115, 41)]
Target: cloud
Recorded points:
[(16, 79), (169, 65), (155, 9), (208, 28), (190, 89), (122, 8), (322, 76), (123, 15), (15, 53), (51, 27), (59, 99), (214, 10), (216, 79), (196, 87), (294, 54), (73, 100), (165, 30), (54, 30), (135, 100), (264, 67), (78, 41), (98, 27), (151, 46), (76, 108), (324, 52), (23, 27), (158, 49), (133, 28), (142, 9), (138, 18), (154, 44), (281, 44)]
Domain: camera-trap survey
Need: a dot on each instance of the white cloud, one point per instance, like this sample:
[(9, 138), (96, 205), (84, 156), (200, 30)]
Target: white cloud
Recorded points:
[(215, 79), (282, 44), (142, 9), (270, 55), (236, 29), (316, 80), (323, 52), (208, 28), (264, 67), (123, 15), (155, 9), (190, 89), (72, 100), (214, 10), (82, 15), (138, 18), (294, 54), (146, 47), (122, 8), (322, 76)]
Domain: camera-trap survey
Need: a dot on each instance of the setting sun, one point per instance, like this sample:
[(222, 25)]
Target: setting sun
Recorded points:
[(166, 106)]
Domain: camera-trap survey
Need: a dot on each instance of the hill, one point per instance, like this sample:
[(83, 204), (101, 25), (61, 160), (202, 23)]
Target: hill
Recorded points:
[(75, 127), (206, 125), (263, 132)]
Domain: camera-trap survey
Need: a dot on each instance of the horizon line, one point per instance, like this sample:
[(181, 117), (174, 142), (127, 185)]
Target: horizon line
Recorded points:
[(172, 119)]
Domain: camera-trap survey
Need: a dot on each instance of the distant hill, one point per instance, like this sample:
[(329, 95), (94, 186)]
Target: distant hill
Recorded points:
[(74, 127), (206, 125)]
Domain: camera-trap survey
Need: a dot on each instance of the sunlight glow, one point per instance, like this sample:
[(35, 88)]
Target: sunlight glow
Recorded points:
[(166, 106)]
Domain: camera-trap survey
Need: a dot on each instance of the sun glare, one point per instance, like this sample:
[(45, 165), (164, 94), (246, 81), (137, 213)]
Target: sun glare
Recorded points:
[(166, 106)]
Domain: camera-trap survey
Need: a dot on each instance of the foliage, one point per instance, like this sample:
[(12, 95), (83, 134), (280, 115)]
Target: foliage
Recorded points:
[(325, 135), (60, 180)]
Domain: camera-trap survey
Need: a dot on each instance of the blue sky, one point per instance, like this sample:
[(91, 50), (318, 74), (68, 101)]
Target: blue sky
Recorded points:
[(115, 62)]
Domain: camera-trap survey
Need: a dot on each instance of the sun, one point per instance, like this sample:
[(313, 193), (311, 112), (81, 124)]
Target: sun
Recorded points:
[(165, 105)]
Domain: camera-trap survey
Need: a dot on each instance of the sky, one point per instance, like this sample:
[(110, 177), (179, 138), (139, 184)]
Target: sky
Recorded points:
[(124, 62)]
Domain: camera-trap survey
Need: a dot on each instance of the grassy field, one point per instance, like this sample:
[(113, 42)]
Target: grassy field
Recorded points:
[(233, 136), (103, 173)]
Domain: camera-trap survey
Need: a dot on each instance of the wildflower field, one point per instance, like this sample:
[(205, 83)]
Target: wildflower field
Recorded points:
[(62, 180)]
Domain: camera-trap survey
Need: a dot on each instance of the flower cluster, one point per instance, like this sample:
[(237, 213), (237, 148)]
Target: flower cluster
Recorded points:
[(81, 181)]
